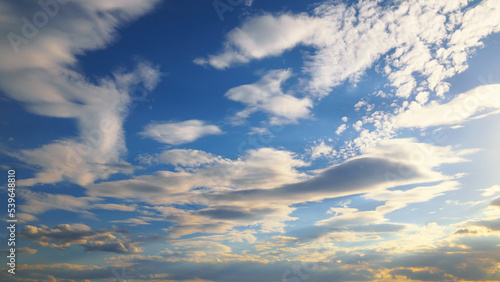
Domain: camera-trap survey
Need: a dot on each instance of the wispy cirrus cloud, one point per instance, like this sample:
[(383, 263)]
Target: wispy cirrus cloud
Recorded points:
[(43, 77)]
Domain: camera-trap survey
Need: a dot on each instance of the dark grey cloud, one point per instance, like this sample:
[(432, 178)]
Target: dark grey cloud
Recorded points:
[(235, 213), (466, 231), (145, 269), (424, 275), (492, 224), (378, 228), (495, 202), (352, 177), (113, 247), (446, 262), (64, 235), (467, 264)]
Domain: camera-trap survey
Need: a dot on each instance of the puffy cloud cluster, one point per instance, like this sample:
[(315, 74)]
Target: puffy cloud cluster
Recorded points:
[(430, 38)]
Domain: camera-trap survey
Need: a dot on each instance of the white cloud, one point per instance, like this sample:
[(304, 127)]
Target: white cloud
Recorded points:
[(276, 241), (42, 77), (393, 163), (267, 96), (431, 39), (76, 27), (416, 154), (99, 110), (321, 150), (341, 129), (232, 236), (358, 126), (114, 207), (418, 44), (363, 103), (175, 133), (198, 251), (261, 187), (264, 168), (26, 217), (476, 103), (359, 104), (37, 202), (187, 158), (490, 191), (422, 97), (259, 131), (143, 220)]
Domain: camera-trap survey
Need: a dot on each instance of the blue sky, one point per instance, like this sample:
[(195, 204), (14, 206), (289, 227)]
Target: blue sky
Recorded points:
[(252, 141)]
